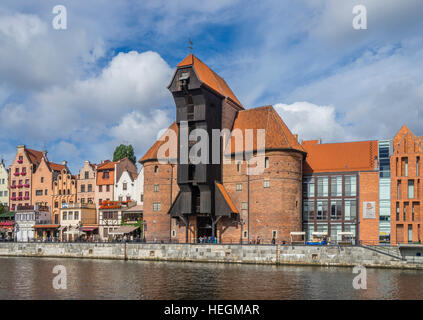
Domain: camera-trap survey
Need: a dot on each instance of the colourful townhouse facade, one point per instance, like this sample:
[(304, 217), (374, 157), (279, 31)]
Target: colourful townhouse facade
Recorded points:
[(21, 173)]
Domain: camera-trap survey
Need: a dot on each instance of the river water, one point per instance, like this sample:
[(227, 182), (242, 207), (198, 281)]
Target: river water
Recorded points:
[(32, 278)]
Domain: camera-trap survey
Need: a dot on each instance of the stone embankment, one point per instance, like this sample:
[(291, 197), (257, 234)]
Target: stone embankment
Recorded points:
[(254, 254)]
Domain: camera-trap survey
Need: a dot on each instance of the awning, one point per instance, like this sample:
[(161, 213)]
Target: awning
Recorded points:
[(345, 233), (297, 233), (319, 233), (124, 230), (61, 228), (47, 226), (89, 228), (74, 231), (7, 223)]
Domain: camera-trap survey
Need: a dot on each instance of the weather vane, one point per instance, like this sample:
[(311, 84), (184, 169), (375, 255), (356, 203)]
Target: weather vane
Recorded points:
[(191, 45)]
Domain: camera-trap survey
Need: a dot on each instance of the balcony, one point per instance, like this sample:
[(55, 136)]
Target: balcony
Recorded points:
[(13, 198), (19, 198), (26, 185), (13, 186), (20, 186), (23, 173), (20, 161), (16, 174), (26, 198)]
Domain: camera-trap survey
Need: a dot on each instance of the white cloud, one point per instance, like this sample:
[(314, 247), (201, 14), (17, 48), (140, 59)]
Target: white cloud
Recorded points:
[(21, 27), (140, 130), (311, 121), (131, 82)]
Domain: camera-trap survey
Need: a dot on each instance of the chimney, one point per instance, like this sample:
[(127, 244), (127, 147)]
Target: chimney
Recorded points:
[(22, 146), (296, 136), (64, 162), (87, 162)]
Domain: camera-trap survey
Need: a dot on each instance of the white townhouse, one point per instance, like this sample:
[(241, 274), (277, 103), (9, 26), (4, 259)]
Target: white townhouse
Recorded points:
[(4, 184), (130, 186)]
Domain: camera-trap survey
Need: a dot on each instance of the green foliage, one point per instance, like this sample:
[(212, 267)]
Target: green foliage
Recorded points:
[(124, 151), (2, 208)]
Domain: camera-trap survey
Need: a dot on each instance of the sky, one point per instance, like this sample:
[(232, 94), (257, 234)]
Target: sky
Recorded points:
[(80, 92)]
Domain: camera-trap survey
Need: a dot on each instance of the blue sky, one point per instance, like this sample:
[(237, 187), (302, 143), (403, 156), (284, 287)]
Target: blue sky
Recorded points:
[(80, 92)]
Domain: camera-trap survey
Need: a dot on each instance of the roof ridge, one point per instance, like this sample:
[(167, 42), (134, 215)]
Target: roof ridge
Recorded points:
[(282, 129)]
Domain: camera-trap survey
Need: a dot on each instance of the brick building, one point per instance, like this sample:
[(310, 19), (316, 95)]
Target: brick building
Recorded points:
[(184, 200), (64, 192), (21, 173), (406, 187), (86, 183), (341, 190), (42, 185)]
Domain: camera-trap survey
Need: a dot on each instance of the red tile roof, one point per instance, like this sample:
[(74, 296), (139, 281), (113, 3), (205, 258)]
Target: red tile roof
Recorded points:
[(151, 154), (34, 155), (55, 166), (107, 165), (209, 77), (277, 134), (338, 157)]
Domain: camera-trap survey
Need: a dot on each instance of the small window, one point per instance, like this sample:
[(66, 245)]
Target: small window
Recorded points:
[(156, 169), (156, 188), (42, 179), (173, 233), (244, 205), (239, 187), (266, 183), (274, 234), (125, 186), (245, 234), (266, 162), (239, 166)]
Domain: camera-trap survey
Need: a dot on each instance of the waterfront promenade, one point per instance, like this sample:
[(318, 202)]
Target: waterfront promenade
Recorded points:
[(347, 256)]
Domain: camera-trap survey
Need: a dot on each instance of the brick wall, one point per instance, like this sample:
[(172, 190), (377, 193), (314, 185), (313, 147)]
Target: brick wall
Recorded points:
[(277, 208), (369, 192), (159, 222)]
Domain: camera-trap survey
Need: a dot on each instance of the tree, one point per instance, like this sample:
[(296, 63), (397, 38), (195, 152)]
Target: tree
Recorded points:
[(124, 151), (2, 208)]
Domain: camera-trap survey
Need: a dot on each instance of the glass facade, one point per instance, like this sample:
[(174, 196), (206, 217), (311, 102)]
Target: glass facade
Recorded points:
[(330, 205), (385, 151)]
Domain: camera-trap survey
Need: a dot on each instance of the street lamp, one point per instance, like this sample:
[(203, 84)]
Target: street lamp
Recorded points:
[(241, 222), (144, 229)]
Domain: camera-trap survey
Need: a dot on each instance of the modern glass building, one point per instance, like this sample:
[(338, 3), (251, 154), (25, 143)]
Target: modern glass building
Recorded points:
[(385, 152)]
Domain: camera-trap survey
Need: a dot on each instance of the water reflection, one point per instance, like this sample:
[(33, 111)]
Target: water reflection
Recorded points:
[(31, 278)]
